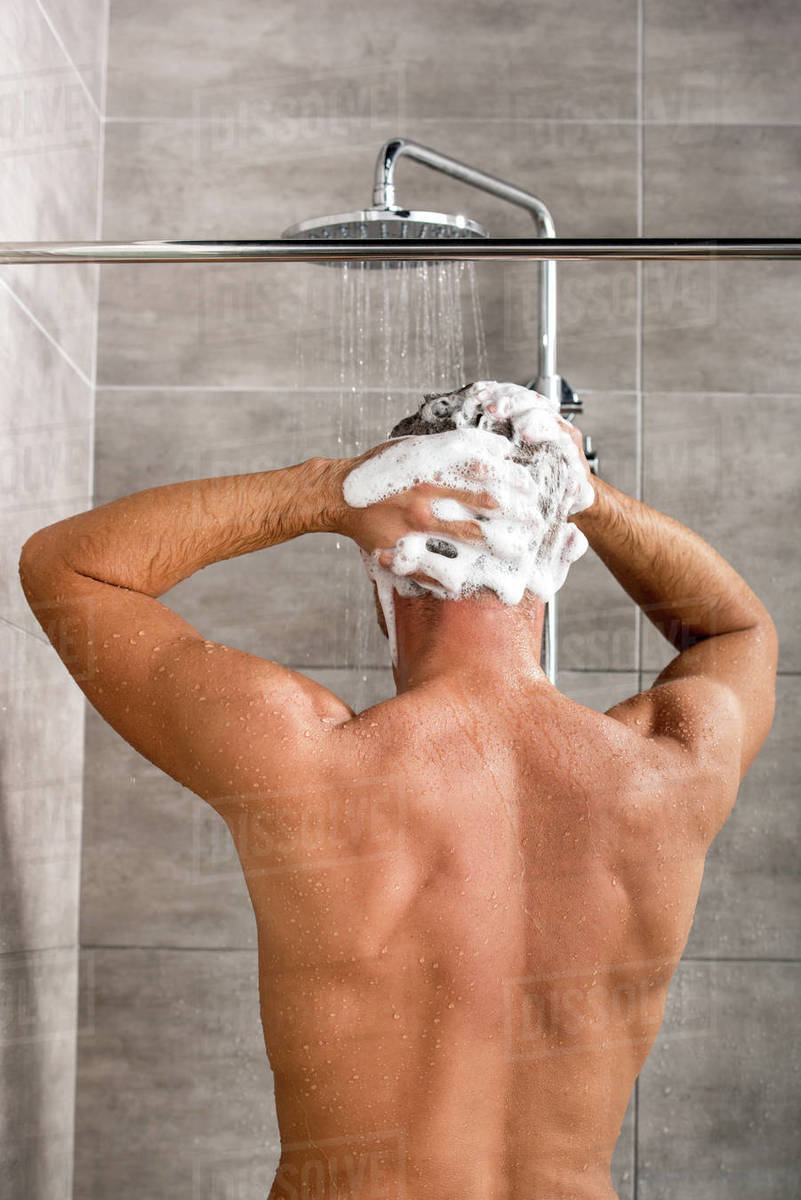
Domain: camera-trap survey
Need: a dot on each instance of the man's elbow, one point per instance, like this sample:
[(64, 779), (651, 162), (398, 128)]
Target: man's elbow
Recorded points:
[(39, 560)]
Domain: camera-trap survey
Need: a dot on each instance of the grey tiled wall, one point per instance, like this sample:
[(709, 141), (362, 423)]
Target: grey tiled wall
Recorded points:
[(50, 148), (627, 117)]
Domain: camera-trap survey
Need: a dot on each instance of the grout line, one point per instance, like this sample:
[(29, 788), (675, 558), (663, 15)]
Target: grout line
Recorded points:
[(69, 58), (39, 949), (146, 119), (640, 130), (104, 60), (101, 166), (635, 1157), (190, 949), (76, 1002), (99, 197), (735, 959), (638, 365), (21, 304)]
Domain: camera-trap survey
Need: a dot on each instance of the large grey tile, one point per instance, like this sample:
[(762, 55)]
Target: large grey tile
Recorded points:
[(83, 28), (761, 165), (722, 326), (725, 467), (389, 61), (40, 848), (174, 1090), (719, 1094), (243, 324), (596, 618), (728, 60), (44, 713), (750, 898), (159, 866), (37, 1073), (40, 815), (41, 767), (49, 181), (46, 412)]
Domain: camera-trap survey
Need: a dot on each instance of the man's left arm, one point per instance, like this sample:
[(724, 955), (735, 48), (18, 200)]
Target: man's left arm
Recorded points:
[(222, 722)]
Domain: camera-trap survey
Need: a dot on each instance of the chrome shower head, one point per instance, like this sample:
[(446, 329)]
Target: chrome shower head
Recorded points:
[(384, 224)]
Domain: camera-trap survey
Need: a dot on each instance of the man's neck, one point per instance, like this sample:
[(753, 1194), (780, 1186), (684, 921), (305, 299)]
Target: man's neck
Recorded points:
[(477, 639)]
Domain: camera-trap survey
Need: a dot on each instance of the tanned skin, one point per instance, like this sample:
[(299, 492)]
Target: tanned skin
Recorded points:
[(470, 898)]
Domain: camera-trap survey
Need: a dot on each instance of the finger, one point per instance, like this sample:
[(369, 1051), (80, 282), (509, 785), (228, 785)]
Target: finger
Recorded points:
[(472, 500), (463, 531)]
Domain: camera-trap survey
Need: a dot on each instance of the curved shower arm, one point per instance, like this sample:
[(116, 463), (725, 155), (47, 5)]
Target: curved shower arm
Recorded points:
[(547, 381), (391, 151)]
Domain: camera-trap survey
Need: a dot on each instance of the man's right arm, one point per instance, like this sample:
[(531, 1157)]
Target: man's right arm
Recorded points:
[(717, 696)]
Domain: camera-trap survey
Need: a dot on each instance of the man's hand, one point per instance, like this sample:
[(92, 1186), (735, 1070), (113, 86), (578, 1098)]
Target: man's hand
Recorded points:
[(578, 439), (380, 526)]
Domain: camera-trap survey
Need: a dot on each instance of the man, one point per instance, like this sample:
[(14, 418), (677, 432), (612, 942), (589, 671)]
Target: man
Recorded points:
[(470, 898)]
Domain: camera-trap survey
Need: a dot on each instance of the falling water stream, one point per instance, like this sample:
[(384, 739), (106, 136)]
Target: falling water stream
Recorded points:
[(375, 339)]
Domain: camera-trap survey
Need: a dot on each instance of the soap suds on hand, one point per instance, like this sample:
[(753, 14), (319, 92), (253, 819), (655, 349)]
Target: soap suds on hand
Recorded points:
[(532, 468)]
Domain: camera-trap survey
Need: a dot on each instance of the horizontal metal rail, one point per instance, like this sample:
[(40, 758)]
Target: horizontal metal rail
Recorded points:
[(467, 250)]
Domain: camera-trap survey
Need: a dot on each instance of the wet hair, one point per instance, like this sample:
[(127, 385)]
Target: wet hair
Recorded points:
[(441, 411), (547, 463)]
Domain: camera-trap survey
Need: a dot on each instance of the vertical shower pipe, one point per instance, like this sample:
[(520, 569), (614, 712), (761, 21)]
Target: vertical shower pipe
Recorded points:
[(547, 381)]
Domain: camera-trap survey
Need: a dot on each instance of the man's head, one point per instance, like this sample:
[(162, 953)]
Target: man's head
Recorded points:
[(553, 474)]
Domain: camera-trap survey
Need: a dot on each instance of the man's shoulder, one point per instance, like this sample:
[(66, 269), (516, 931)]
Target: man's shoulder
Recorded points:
[(680, 729)]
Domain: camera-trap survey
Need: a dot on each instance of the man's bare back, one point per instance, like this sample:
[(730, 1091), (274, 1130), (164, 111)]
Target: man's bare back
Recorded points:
[(470, 898), (465, 946)]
